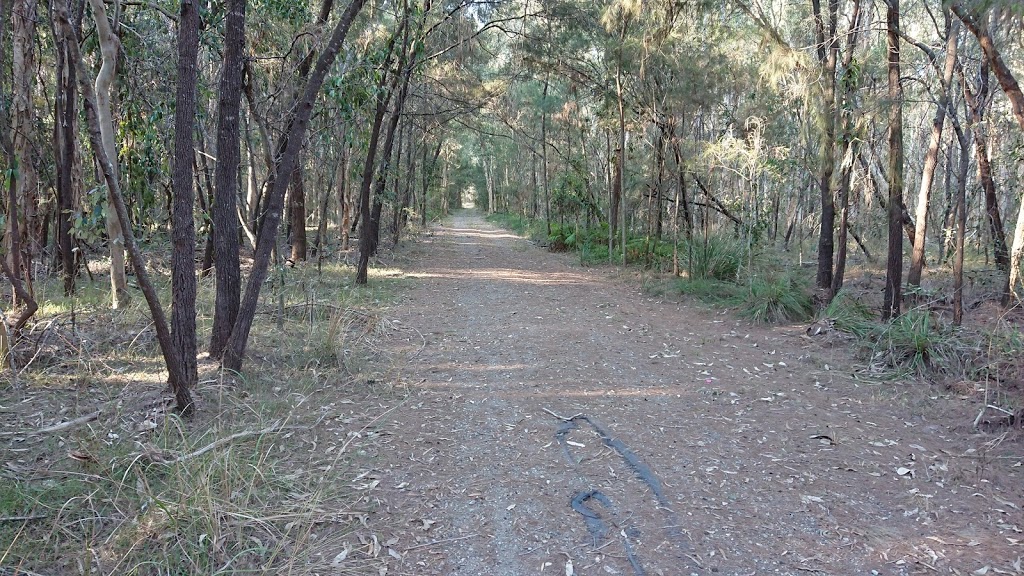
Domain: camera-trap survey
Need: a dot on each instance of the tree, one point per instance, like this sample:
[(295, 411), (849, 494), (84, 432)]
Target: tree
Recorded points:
[(1013, 91), (931, 159), (172, 359), (894, 262), (225, 237), (827, 49), (183, 240), (109, 48), (298, 122)]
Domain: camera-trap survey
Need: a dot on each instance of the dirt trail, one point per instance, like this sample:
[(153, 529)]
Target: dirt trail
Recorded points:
[(704, 445)]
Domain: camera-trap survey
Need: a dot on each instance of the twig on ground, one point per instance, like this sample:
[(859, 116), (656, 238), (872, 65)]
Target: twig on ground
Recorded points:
[(273, 428), (22, 518), (69, 424), (562, 418), (436, 542)]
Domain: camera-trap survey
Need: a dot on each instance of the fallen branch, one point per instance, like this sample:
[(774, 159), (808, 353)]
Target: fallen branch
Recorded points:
[(69, 424), (563, 418), (21, 518), (436, 542), (274, 428)]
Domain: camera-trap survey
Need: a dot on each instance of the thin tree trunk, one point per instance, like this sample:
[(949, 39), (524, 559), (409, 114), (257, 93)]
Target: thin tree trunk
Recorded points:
[(183, 238), (894, 263), (297, 126), (225, 228), (109, 47), (931, 158), (827, 51), (1013, 92), (65, 152)]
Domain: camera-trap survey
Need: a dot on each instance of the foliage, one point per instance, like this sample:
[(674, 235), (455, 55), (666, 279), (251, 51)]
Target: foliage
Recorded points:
[(918, 343), (717, 257), (847, 314), (775, 299), (716, 292)]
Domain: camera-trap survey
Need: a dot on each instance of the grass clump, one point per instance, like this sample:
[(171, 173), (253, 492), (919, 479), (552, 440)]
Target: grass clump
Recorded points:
[(847, 314), (777, 299), (918, 343), (717, 257)]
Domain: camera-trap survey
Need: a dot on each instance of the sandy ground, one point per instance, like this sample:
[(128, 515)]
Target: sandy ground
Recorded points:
[(559, 421)]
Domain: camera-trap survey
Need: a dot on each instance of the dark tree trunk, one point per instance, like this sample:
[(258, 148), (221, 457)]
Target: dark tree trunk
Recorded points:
[(297, 214), (225, 228), (370, 162), (297, 125), (827, 51), (183, 236), (369, 238), (977, 100), (894, 263), (65, 149)]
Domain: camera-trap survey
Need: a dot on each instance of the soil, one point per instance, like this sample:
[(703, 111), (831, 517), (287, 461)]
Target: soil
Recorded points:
[(560, 421)]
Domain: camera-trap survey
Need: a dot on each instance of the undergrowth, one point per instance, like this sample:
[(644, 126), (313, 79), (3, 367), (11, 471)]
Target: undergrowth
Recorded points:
[(264, 479)]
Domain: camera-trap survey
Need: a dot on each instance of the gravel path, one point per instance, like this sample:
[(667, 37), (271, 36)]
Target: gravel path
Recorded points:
[(700, 444)]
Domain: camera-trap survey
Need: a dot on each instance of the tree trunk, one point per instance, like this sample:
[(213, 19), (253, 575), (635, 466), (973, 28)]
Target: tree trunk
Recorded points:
[(297, 125), (931, 159), (894, 263), (367, 233), (24, 180), (170, 352), (827, 50), (183, 237), (225, 228), (109, 48), (977, 100), (65, 154), (297, 214)]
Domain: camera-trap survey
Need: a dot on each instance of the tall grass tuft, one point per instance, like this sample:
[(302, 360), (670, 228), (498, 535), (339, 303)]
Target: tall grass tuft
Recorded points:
[(717, 257), (777, 299)]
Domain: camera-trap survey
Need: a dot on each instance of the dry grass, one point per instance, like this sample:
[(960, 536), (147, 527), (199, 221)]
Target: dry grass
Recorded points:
[(270, 476)]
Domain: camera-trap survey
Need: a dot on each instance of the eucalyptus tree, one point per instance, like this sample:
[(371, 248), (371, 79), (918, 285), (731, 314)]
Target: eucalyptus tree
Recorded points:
[(225, 237)]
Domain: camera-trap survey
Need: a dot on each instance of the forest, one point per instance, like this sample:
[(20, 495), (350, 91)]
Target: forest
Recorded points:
[(183, 179)]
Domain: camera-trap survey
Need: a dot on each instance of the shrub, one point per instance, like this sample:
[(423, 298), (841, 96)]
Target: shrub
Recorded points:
[(779, 299), (714, 257), (709, 290), (849, 315)]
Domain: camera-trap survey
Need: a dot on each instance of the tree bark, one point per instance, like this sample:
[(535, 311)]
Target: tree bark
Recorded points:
[(65, 152), (109, 48), (183, 236), (931, 159), (24, 180), (370, 162), (225, 235), (170, 353), (827, 51), (977, 100), (298, 124), (894, 263)]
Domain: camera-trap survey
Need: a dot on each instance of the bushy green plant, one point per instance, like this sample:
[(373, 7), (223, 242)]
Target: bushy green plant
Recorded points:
[(849, 315), (777, 299), (709, 290), (918, 343), (718, 257)]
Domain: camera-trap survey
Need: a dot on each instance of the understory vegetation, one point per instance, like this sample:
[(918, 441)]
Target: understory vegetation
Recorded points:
[(267, 476)]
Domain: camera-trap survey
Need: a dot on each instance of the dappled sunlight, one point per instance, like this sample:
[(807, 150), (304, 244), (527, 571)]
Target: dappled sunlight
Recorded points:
[(476, 233), (507, 275)]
